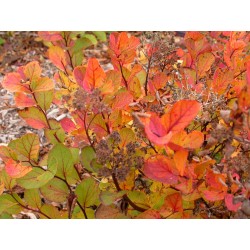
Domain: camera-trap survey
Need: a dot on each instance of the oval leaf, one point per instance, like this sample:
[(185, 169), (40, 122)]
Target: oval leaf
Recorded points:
[(34, 117), (15, 169), (87, 193), (160, 168)]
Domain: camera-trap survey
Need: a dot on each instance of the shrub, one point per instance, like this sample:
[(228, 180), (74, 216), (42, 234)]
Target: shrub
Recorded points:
[(164, 134)]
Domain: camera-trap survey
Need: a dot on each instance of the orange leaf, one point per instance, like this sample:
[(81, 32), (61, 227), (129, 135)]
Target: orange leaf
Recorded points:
[(192, 140), (221, 80), (248, 74), (12, 82), (123, 48), (172, 204), (149, 214), (58, 57), (196, 44), (94, 76), (159, 130), (233, 49), (244, 100), (42, 84), (160, 168), (204, 63), (180, 159), (122, 100), (107, 87), (182, 113), (214, 195), (216, 180), (16, 170), (32, 71), (159, 81)]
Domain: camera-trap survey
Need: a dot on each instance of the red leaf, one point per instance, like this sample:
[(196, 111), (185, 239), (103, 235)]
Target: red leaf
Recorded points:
[(34, 117), (23, 100), (50, 36), (94, 76), (16, 170), (217, 187), (160, 168), (79, 74), (156, 132), (68, 125), (230, 204)]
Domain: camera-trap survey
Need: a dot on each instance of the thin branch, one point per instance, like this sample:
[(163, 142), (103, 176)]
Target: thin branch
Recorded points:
[(83, 210)]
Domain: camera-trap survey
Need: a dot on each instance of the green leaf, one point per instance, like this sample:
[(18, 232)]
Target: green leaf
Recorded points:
[(34, 117), (9, 205), (9, 183), (87, 155), (84, 42), (107, 198), (56, 132), (77, 58), (139, 198), (32, 197), (87, 193), (32, 71), (55, 190), (27, 147), (51, 211), (65, 163), (39, 177), (44, 99), (6, 216), (6, 152), (101, 35), (75, 155), (2, 41)]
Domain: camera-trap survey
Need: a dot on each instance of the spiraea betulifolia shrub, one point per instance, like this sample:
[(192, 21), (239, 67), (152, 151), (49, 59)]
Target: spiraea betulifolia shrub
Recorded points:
[(165, 133)]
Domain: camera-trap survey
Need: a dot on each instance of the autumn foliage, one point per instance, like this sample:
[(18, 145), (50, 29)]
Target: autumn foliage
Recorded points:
[(165, 133)]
